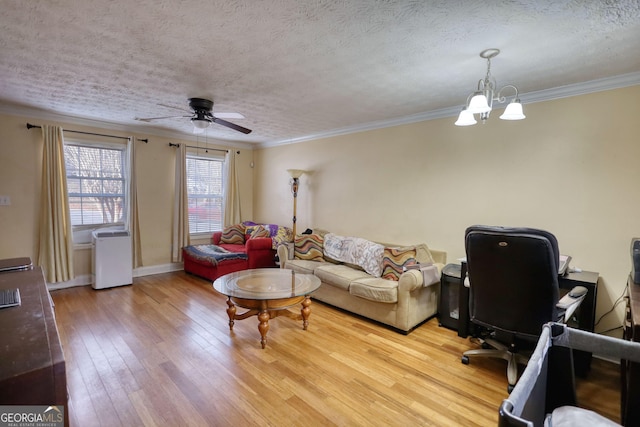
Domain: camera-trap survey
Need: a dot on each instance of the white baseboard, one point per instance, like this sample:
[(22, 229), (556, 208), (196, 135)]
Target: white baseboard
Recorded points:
[(157, 269), (83, 280), (87, 279)]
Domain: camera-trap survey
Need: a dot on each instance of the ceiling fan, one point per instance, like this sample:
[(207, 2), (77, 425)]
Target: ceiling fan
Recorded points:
[(202, 116)]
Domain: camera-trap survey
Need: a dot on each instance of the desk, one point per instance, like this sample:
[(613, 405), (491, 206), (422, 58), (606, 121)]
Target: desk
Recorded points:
[(630, 372), (585, 315), (32, 368)]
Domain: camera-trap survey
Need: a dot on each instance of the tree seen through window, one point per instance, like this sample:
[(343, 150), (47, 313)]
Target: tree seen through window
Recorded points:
[(96, 184)]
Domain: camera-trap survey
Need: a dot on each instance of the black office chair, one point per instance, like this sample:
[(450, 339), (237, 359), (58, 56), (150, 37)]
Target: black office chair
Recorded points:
[(513, 280)]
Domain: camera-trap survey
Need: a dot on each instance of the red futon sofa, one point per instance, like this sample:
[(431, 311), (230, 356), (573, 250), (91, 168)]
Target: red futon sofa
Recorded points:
[(255, 252)]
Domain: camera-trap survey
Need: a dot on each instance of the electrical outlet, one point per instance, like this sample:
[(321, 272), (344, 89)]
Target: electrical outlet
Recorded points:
[(5, 200)]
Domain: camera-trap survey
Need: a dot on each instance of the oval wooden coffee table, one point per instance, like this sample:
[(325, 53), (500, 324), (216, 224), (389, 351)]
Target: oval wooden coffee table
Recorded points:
[(267, 293)]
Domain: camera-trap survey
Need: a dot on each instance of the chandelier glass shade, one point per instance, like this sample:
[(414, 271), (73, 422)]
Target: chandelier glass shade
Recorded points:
[(465, 118), (481, 101), (479, 104), (513, 111)]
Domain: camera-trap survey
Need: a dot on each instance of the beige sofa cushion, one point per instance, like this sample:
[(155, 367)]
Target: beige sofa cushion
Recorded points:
[(339, 276), (303, 266), (423, 254), (375, 289)]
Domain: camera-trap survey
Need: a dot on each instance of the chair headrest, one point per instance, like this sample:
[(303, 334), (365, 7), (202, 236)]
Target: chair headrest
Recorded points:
[(516, 231)]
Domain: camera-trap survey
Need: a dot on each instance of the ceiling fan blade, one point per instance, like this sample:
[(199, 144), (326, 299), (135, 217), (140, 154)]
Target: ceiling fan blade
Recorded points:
[(231, 125), (174, 107), (229, 116), (150, 119)]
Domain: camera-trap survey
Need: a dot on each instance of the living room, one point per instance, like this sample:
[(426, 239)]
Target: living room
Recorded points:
[(559, 170), (570, 168)]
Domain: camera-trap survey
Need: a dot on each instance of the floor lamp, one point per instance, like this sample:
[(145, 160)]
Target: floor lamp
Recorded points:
[(295, 181)]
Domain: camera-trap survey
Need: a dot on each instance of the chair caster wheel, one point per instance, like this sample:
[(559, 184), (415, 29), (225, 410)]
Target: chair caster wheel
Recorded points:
[(465, 360), (510, 388)]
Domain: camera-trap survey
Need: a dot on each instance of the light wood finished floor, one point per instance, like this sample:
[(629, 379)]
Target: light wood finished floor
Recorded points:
[(160, 353)]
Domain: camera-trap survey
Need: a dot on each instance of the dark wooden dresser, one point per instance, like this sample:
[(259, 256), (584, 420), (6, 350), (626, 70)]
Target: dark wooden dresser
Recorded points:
[(32, 366)]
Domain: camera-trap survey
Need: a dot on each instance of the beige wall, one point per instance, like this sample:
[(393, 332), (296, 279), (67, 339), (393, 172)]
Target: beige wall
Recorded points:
[(572, 167), (20, 165)]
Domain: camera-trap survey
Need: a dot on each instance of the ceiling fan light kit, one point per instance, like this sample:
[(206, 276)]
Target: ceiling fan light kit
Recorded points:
[(481, 101), (200, 124)]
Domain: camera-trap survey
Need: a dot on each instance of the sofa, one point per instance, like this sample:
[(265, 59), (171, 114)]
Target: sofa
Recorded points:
[(391, 284), (237, 247)]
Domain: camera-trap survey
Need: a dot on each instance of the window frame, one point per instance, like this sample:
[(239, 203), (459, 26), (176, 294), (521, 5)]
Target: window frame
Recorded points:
[(82, 232), (194, 154)]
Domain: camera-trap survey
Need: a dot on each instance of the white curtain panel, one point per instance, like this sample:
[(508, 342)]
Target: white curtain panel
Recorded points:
[(55, 254), (132, 217), (181, 206), (232, 213)]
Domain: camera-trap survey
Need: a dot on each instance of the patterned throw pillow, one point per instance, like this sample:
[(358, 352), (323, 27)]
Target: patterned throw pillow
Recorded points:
[(284, 235), (309, 247), (250, 226), (259, 231), (233, 234), (394, 259)]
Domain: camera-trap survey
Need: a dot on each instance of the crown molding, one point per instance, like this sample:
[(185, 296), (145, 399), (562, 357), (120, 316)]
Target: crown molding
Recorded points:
[(577, 89), (35, 114), (592, 86)]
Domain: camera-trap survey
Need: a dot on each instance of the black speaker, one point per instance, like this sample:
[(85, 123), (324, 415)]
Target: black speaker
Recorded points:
[(635, 259)]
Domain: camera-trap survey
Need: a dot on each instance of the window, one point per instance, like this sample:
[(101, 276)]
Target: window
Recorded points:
[(96, 183), (205, 193)]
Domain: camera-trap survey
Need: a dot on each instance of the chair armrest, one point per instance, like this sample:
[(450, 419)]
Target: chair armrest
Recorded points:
[(259, 244), (569, 305), (283, 254), (215, 239)]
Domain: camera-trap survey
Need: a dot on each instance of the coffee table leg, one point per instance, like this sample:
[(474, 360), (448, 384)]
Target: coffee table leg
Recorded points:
[(263, 326), (306, 312), (231, 311)]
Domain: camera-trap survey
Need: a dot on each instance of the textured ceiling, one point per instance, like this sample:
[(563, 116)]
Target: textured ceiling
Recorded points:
[(296, 68)]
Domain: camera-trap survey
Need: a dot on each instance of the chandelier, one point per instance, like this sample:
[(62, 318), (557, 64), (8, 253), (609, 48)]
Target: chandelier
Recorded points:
[(481, 101)]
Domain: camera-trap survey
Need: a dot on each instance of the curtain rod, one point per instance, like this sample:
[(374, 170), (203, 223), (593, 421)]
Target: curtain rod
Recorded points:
[(171, 144), (30, 126)]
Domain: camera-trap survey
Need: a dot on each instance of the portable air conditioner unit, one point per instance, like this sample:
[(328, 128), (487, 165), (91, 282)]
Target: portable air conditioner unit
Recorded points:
[(112, 265)]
